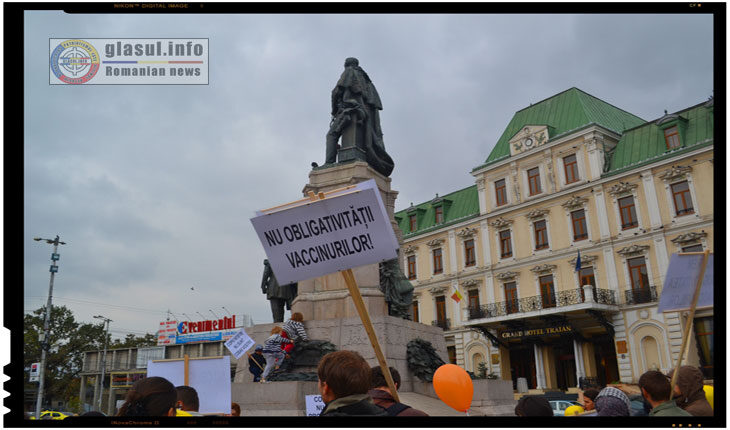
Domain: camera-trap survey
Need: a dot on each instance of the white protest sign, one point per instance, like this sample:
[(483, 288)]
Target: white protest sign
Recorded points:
[(210, 376), (315, 405), (239, 343), (679, 284), (324, 236)]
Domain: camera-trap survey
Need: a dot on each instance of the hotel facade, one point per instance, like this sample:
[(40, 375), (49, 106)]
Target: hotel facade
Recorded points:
[(571, 175)]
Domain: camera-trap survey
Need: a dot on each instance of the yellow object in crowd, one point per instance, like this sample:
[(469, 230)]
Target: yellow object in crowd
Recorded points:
[(710, 395), (574, 410)]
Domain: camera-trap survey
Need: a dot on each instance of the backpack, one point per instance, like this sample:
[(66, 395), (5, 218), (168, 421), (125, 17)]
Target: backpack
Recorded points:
[(395, 409)]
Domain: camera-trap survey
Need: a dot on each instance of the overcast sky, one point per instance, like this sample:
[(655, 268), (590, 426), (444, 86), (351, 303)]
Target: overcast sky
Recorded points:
[(152, 187)]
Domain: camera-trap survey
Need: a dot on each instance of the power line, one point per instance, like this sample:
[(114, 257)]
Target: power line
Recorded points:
[(80, 301)]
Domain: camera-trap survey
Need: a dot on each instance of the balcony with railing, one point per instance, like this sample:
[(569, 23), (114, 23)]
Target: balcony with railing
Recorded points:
[(641, 295), (445, 324), (557, 302)]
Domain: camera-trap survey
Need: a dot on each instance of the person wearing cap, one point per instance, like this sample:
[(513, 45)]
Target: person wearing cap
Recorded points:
[(256, 363), (612, 402)]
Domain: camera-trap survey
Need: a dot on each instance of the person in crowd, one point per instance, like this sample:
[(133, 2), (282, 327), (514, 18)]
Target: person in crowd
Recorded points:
[(256, 363), (382, 396), (273, 352), (533, 406), (235, 409), (153, 396), (589, 401), (689, 393), (294, 331), (187, 402), (657, 390), (344, 381), (612, 402)]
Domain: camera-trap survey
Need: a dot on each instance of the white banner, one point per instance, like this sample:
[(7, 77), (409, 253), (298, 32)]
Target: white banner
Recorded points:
[(315, 405), (325, 236), (239, 343)]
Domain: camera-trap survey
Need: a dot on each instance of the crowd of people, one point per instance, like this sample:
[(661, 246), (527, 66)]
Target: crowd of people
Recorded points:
[(350, 387), (656, 398)]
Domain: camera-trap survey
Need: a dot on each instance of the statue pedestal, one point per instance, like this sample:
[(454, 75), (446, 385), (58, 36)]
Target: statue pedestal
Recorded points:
[(327, 297)]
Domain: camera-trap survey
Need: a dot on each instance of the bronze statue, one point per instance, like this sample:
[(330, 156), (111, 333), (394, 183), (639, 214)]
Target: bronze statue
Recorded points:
[(355, 117), (278, 295), (397, 289)]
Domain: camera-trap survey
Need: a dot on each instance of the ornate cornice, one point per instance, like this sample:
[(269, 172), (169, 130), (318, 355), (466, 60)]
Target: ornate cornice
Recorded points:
[(435, 291), (537, 213), (500, 223), (583, 259), (435, 242), (633, 249), (675, 172), (621, 188), (410, 249), (466, 232), (544, 268), (470, 283), (688, 237), (575, 202), (506, 276)]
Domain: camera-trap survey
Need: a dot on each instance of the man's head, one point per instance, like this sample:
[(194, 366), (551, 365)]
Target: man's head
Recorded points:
[(342, 373), (655, 387), (589, 397), (378, 381), (259, 349), (351, 62), (533, 406), (187, 398)]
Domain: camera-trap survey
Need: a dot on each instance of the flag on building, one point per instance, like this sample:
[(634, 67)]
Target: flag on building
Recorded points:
[(577, 262), (457, 295)]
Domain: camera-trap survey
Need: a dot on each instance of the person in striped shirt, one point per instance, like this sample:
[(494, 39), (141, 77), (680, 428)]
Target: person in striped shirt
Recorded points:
[(294, 331), (273, 352)]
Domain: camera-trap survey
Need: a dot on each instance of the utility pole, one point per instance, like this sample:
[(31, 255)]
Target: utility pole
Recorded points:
[(44, 337), (103, 358)]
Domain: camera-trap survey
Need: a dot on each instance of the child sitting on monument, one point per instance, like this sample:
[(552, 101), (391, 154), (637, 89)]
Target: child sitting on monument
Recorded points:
[(294, 331), (273, 352)]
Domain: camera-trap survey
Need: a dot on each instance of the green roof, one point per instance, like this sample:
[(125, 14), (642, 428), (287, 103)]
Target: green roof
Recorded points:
[(565, 112), (646, 144), (458, 206)]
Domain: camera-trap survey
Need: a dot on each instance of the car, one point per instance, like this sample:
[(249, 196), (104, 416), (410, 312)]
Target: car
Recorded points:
[(54, 415), (559, 406)]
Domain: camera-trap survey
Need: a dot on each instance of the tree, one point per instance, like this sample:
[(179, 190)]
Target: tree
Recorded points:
[(132, 341), (67, 340)]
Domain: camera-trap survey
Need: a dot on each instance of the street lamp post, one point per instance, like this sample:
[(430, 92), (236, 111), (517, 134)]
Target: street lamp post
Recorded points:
[(44, 337), (103, 357)]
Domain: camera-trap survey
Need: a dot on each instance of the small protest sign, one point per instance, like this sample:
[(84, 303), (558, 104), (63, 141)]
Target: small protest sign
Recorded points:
[(681, 280), (324, 236), (315, 405), (239, 343)]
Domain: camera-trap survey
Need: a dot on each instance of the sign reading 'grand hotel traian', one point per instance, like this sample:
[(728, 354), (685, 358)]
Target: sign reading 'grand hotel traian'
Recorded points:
[(545, 331)]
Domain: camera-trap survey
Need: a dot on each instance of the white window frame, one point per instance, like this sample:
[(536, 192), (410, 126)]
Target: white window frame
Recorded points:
[(569, 217), (684, 219), (493, 191), (499, 245), (517, 289), (617, 211), (556, 284), (579, 154), (526, 180), (476, 255), (627, 276), (532, 236)]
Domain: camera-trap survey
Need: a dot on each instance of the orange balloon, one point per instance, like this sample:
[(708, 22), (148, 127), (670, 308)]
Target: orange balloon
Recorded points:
[(453, 386)]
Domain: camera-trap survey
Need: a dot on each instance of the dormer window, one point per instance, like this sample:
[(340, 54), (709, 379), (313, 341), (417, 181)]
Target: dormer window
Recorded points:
[(438, 214), (671, 137), (413, 222)]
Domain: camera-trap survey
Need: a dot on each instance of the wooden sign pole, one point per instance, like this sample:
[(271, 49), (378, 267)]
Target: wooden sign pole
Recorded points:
[(690, 318), (254, 360), (365, 318), (187, 370)]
